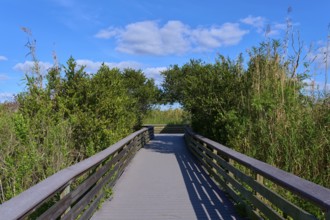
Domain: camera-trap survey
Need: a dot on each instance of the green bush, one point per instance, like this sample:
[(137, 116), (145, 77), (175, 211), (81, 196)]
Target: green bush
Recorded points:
[(259, 111), (67, 117)]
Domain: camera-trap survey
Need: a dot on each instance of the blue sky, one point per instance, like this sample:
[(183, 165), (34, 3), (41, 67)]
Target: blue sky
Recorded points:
[(147, 34)]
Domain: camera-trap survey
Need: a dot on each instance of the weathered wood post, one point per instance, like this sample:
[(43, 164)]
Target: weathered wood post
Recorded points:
[(215, 152), (65, 192)]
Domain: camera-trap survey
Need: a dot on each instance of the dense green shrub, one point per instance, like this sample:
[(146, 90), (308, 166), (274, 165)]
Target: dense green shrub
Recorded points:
[(66, 116), (259, 110), (26, 158)]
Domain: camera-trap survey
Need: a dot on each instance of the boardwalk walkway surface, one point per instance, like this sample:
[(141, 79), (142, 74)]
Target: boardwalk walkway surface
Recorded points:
[(163, 181)]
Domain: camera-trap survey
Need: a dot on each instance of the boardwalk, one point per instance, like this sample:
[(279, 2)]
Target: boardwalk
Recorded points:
[(163, 181)]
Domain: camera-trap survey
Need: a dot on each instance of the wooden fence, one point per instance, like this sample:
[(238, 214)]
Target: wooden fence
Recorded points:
[(250, 182), (76, 191), (167, 128)]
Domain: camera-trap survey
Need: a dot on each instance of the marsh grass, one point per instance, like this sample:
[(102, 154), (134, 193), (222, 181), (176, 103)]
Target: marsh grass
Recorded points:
[(170, 116)]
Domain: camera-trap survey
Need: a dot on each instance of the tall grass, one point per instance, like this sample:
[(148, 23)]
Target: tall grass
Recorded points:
[(24, 161), (170, 116)]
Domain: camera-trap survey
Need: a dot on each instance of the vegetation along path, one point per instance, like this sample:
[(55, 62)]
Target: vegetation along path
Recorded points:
[(163, 181)]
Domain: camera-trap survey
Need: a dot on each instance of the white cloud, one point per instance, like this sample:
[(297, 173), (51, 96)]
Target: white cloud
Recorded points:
[(90, 66), (3, 58), (154, 73), (280, 26), (6, 96), (174, 37), (319, 57), (226, 35), (257, 22), (148, 38), (322, 56), (315, 86), (94, 66), (107, 33), (276, 29), (124, 64), (28, 66), (262, 25)]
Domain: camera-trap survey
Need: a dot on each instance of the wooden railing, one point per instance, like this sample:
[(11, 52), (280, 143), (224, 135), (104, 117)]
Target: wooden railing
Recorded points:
[(77, 190), (167, 128), (250, 182)]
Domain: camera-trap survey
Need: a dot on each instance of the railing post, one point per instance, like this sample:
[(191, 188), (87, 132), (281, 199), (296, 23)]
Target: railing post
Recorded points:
[(141, 137), (146, 135), (136, 143), (215, 152), (230, 162), (259, 179), (203, 151), (65, 192)]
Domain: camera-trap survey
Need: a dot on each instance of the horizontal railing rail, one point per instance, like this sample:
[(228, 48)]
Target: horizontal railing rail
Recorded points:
[(250, 182), (168, 128), (76, 191)]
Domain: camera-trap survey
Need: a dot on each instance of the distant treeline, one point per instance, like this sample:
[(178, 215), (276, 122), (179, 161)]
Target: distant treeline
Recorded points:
[(66, 116), (168, 116)]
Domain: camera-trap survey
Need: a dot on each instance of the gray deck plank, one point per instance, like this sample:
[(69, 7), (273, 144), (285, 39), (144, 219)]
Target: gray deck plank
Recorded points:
[(163, 181)]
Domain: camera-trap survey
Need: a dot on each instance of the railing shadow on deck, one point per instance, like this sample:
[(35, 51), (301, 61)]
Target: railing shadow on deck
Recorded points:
[(257, 187), (207, 200)]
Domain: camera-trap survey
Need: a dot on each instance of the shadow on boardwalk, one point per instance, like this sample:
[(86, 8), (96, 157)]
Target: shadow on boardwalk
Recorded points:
[(208, 201)]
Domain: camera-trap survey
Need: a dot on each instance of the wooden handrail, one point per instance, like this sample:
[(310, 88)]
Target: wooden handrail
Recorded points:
[(219, 162), (102, 170), (168, 128)]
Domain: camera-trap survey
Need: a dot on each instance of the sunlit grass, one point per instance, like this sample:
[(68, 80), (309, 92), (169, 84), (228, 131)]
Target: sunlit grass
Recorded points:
[(170, 116)]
